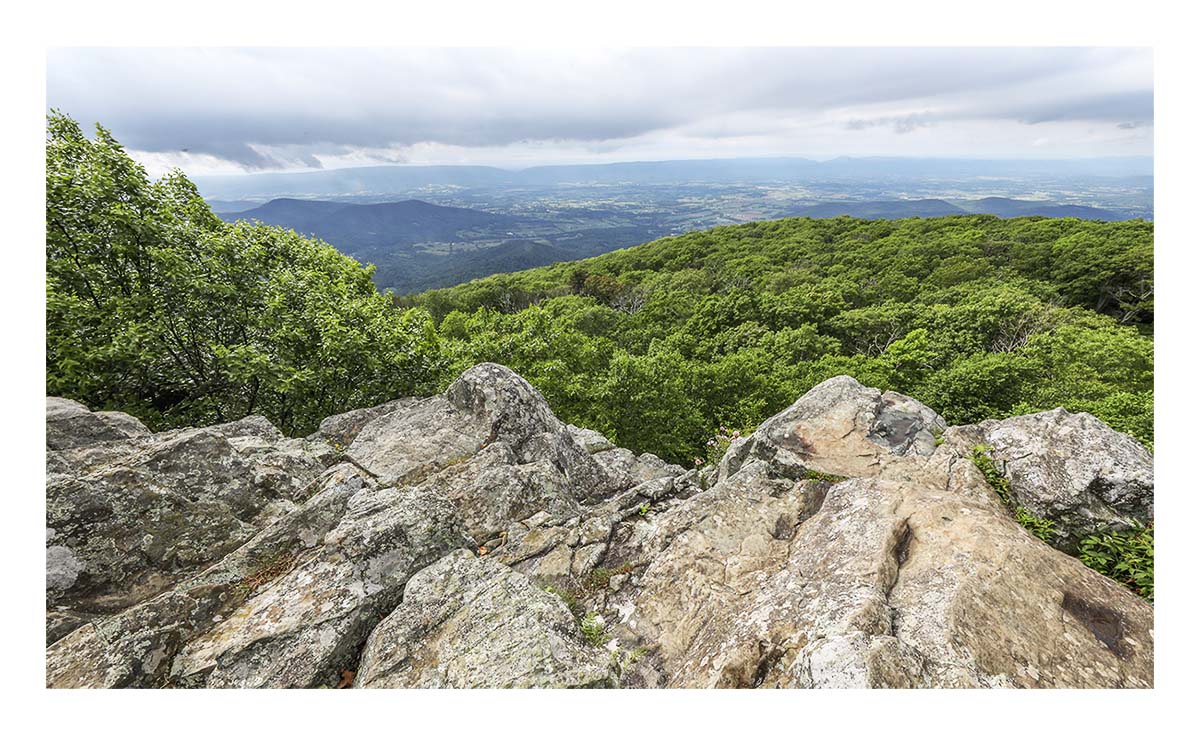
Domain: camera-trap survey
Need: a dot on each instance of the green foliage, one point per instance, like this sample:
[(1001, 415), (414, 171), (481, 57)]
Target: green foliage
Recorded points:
[(824, 477), (717, 445), (156, 307), (976, 316), (1126, 556), (593, 630), (634, 656), (1042, 528), (999, 483)]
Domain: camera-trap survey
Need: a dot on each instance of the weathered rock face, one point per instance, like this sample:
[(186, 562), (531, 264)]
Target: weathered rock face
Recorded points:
[(1072, 469), (342, 429), (128, 515), (471, 622), (70, 424), (840, 427), (472, 539)]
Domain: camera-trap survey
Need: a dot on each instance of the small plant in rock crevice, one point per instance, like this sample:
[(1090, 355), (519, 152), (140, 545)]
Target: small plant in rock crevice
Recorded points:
[(592, 626), (599, 577), (269, 569), (569, 599), (1041, 528), (983, 460), (717, 445), (824, 477)]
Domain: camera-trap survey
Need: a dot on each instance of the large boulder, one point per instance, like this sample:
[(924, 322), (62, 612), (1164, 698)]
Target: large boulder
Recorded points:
[(906, 571), (70, 424), (471, 622), (916, 580), (487, 404), (840, 427), (492, 446), (341, 430), (290, 608), (305, 625), (1069, 468)]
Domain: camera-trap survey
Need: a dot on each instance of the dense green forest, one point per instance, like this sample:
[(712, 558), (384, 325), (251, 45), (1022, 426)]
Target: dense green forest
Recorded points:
[(976, 316), (156, 307)]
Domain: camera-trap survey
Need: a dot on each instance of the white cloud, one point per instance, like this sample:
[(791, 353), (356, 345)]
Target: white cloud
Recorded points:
[(217, 110)]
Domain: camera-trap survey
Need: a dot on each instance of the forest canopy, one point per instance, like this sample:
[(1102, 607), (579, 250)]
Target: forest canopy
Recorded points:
[(976, 316), (157, 308)]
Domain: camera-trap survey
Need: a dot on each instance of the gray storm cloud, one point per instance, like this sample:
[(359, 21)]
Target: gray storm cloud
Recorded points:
[(285, 108)]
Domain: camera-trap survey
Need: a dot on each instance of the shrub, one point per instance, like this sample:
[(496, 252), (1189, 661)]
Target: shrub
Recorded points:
[(1126, 556)]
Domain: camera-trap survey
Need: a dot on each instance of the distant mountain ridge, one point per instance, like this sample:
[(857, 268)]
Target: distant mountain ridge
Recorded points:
[(998, 206), (358, 226), (383, 179), (416, 245)]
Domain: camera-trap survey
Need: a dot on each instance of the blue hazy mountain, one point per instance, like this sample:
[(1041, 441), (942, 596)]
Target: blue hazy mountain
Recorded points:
[(999, 206), (355, 227), (416, 245)]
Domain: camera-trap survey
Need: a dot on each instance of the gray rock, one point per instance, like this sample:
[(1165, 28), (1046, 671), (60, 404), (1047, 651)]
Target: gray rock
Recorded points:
[(488, 404), (132, 516), (491, 490), (341, 430), (624, 469), (840, 427), (70, 424), (470, 622), (840, 545), (1072, 469), (591, 441), (290, 608)]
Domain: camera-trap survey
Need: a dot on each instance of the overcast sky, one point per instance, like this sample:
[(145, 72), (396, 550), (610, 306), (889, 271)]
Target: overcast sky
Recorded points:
[(246, 110)]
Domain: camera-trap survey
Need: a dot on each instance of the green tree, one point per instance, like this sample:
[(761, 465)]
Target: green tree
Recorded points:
[(156, 307)]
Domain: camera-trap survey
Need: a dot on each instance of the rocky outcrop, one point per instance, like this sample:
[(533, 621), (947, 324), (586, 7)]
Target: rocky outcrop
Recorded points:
[(840, 427), (128, 516), (70, 424), (1070, 468), (471, 539)]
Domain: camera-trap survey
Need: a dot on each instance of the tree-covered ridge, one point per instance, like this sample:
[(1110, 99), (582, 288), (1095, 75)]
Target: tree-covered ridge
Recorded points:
[(976, 316), (156, 307)]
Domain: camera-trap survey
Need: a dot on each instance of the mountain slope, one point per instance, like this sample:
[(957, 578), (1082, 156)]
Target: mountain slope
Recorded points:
[(357, 227), (1004, 207), (977, 316)]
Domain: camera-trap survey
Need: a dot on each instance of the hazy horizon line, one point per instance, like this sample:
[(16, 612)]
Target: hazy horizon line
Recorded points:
[(603, 164)]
